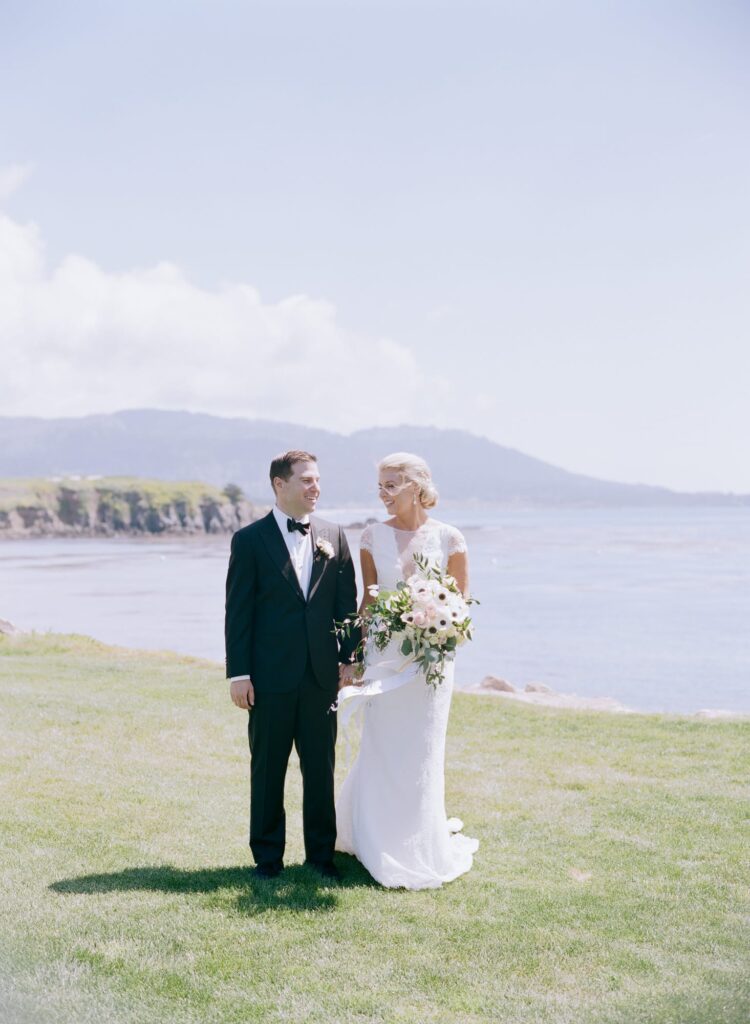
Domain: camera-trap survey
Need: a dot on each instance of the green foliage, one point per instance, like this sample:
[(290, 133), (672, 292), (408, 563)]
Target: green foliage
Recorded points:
[(122, 489), (234, 493), (611, 885)]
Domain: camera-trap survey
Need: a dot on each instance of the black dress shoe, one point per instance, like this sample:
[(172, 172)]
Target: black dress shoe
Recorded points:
[(272, 870), (325, 868)]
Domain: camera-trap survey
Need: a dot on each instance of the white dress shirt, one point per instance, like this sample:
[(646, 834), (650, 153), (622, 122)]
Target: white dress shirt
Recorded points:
[(299, 546)]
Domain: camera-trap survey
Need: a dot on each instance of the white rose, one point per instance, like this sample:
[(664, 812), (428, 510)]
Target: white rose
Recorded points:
[(324, 547)]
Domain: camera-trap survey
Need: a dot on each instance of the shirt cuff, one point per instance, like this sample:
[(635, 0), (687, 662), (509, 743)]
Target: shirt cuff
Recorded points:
[(232, 678)]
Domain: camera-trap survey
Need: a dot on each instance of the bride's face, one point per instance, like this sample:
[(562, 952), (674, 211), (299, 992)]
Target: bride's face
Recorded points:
[(396, 493)]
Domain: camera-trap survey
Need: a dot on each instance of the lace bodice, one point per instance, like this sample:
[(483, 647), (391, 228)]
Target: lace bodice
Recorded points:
[(393, 550)]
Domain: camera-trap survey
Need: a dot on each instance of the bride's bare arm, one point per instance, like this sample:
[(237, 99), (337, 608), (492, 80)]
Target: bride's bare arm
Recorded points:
[(458, 567), (369, 577)]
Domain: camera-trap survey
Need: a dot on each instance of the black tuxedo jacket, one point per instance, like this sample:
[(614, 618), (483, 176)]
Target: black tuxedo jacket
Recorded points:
[(270, 628)]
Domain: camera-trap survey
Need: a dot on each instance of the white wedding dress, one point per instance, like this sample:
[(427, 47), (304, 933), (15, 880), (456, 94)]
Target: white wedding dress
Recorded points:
[(390, 813)]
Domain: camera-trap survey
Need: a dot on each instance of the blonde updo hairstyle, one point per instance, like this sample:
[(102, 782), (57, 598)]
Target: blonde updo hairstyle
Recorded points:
[(414, 470)]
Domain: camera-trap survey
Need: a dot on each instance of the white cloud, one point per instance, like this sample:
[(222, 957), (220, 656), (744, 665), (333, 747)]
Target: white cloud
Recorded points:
[(77, 339), (12, 177)]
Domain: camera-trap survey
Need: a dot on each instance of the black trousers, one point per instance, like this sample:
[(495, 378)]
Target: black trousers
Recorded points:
[(276, 721)]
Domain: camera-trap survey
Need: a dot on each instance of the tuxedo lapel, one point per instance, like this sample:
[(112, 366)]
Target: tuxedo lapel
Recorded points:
[(279, 552), (319, 561)]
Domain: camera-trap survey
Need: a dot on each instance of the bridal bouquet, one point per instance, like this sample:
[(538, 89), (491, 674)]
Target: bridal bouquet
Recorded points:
[(426, 615)]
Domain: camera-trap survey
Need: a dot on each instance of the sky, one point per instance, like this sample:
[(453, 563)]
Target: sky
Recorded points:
[(530, 220)]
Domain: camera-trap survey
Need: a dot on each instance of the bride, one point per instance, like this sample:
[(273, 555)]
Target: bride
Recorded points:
[(391, 810)]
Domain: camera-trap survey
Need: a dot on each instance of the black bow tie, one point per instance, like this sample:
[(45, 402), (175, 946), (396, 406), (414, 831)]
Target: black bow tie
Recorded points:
[(292, 525)]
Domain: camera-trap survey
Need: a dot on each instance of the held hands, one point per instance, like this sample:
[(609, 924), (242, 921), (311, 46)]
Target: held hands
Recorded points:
[(350, 675), (242, 693)]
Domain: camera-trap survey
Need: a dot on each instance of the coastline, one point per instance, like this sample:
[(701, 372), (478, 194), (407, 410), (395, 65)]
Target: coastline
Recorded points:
[(548, 698), (107, 507), (535, 694)]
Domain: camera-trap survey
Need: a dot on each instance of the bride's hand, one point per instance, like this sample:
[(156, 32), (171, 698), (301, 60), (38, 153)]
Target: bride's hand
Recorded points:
[(349, 675)]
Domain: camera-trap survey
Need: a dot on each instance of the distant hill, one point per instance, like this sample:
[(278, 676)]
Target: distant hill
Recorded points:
[(217, 450)]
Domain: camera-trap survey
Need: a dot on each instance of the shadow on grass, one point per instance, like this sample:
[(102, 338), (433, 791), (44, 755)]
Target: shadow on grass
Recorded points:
[(297, 888)]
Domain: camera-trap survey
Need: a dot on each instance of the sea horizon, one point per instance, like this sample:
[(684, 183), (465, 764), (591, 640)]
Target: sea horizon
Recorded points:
[(643, 605)]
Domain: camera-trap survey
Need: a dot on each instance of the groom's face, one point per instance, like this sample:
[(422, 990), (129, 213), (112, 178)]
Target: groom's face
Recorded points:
[(299, 494)]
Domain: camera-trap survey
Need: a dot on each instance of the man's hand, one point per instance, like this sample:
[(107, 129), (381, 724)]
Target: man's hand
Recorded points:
[(349, 675), (242, 693)]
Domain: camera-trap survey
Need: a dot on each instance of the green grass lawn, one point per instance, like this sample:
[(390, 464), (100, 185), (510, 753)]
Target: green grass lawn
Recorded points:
[(611, 885)]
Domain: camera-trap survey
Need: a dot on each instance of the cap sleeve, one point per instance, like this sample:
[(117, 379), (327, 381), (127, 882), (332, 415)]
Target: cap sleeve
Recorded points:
[(365, 541), (456, 542)]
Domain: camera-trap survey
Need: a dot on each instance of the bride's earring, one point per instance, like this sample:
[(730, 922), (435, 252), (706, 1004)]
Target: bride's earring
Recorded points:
[(414, 498)]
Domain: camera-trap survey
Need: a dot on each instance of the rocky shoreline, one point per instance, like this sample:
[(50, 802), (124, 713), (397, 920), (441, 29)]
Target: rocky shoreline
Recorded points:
[(544, 696), (140, 509), (537, 694)]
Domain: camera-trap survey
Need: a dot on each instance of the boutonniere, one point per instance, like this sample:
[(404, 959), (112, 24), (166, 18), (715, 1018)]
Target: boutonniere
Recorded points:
[(324, 547)]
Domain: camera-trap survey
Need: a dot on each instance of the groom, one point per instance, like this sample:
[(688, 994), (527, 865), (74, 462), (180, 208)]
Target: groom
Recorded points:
[(290, 579)]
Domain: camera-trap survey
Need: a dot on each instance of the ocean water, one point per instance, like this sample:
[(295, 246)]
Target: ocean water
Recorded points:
[(650, 606)]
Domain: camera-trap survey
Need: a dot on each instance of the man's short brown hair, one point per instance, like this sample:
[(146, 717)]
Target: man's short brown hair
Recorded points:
[(283, 465)]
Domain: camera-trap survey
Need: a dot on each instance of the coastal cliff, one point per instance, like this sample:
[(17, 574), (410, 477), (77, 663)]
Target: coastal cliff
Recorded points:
[(114, 506)]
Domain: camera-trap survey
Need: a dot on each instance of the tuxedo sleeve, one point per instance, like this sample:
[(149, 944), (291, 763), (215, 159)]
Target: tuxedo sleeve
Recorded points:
[(239, 609), (346, 598)]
